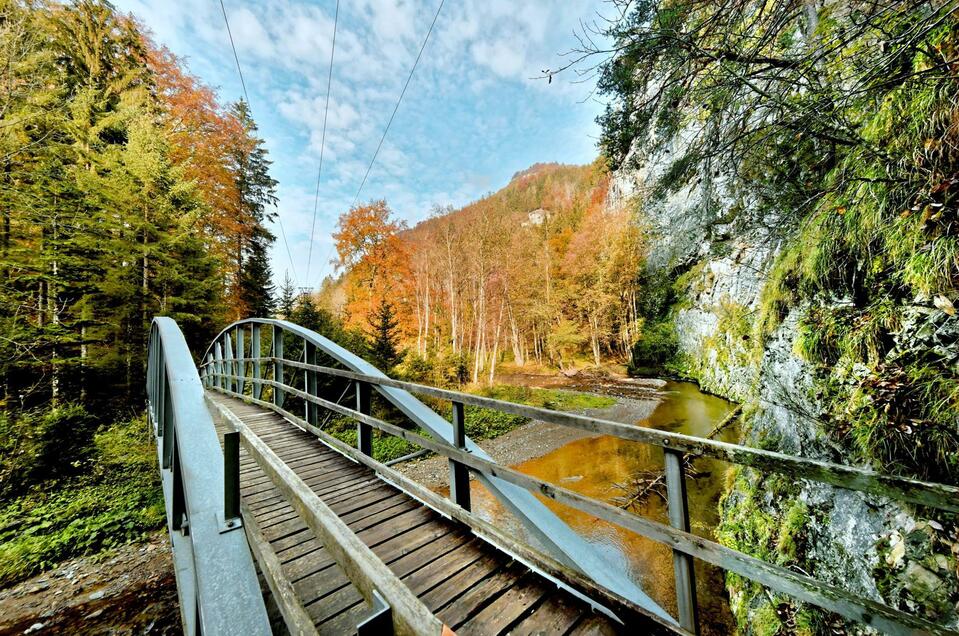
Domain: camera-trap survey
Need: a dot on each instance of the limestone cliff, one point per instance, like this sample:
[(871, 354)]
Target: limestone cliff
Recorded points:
[(718, 254)]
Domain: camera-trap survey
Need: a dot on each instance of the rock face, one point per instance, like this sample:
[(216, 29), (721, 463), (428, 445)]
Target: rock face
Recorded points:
[(704, 235)]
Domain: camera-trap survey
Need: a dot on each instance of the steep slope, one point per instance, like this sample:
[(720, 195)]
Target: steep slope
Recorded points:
[(808, 272)]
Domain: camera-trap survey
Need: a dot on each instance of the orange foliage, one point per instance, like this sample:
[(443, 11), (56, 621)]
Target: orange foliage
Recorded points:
[(377, 262), (205, 139)]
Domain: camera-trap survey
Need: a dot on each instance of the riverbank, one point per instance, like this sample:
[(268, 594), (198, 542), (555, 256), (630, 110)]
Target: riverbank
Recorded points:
[(635, 400), (130, 590)]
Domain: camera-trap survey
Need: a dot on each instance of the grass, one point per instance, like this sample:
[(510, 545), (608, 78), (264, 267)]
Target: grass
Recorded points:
[(119, 500)]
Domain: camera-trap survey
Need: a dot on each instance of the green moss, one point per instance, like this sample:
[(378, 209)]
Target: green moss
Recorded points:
[(792, 531), (765, 622)]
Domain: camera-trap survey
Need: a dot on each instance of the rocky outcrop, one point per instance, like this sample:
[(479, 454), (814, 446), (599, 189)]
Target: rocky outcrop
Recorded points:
[(719, 254)]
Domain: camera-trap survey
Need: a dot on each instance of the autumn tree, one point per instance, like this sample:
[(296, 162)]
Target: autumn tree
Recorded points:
[(375, 260)]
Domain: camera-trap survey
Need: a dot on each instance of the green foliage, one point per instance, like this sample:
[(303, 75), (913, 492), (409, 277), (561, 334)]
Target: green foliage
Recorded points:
[(656, 346), (762, 517), (118, 500), (39, 445), (286, 301), (257, 192), (384, 338)]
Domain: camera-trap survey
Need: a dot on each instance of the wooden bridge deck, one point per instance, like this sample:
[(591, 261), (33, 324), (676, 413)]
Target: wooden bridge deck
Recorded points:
[(467, 583)]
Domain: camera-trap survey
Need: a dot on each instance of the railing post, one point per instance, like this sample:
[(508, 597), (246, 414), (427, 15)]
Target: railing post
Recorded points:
[(210, 371), (167, 425), (364, 432), (682, 563), (231, 478), (218, 364), (229, 365), (159, 408), (309, 380), (278, 393), (240, 360), (178, 507), (459, 474), (255, 353)]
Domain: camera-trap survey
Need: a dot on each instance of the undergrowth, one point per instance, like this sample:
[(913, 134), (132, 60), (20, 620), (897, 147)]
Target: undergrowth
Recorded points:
[(116, 501)]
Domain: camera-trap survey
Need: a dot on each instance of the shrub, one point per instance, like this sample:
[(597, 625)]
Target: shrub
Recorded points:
[(38, 445), (657, 346), (118, 500)]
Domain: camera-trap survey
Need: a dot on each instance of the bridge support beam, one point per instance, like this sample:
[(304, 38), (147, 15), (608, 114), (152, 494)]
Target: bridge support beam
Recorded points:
[(240, 360), (679, 519), (278, 394), (231, 479), (364, 432), (229, 366), (312, 414), (256, 353), (459, 474)]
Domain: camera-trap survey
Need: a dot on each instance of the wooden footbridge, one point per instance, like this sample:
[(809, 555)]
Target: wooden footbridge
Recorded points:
[(278, 526)]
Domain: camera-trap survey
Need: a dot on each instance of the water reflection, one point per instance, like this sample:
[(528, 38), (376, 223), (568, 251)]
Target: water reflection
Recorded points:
[(592, 466)]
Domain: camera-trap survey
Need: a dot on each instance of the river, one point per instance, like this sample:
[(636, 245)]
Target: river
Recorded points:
[(594, 465)]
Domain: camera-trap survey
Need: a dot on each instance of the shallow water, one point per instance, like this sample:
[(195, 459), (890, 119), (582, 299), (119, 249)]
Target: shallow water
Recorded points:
[(592, 466)]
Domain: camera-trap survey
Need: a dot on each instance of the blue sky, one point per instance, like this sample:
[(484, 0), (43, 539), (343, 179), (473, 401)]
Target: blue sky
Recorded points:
[(470, 119)]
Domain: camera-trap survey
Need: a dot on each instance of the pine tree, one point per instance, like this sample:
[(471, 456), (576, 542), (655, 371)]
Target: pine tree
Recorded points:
[(257, 191), (306, 314), (286, 303), (383, 351)]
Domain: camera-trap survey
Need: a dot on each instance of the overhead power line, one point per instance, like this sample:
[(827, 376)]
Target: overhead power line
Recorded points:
[(398, 101), (326, 113), (246, 96)]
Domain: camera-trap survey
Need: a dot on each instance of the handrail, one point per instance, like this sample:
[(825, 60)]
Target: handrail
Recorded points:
[(675, 445), (559, 539), (932, 494), (216, 581)]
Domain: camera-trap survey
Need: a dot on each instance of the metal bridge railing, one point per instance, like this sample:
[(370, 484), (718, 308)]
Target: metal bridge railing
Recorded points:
[(216, 581), (232, 368)]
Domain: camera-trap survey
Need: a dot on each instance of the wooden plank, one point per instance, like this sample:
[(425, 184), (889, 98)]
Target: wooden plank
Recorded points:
[(467, 603), (295, 523), (430, 552), (368, 573), (516, 603), (556, 615), (453, 586), (345, 622), (318, 584), (333, 603), (310, 562), (297, 620), (307, 472), (444, 567)]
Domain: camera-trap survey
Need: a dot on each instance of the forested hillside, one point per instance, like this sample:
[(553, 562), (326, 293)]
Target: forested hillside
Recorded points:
[(127, 190), (541, 271)]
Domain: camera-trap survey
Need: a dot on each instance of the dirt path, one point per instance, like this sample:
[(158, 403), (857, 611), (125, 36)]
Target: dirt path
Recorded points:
[(129, 591)]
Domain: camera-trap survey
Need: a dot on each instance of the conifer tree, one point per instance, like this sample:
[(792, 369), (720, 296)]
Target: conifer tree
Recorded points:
[(257, 191), (286, 303), (384, 338)]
